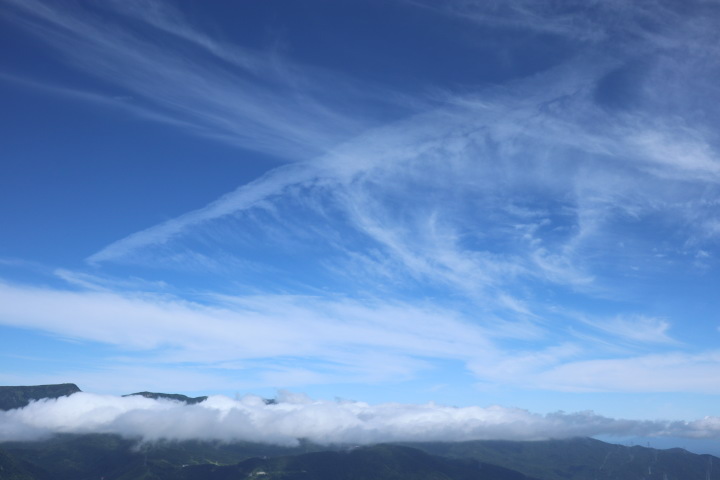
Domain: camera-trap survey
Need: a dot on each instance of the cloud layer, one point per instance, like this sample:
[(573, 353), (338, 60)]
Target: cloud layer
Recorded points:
[(296, 416)]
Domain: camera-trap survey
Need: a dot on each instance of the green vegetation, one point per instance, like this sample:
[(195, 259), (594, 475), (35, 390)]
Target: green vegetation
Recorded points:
[(90, 457), (70, 457), (380, 462), (12, 469), (86, 457), (582, 459)]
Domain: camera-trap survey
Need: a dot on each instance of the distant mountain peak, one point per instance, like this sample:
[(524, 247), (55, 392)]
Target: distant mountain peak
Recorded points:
[(170, 396), (12, 397)]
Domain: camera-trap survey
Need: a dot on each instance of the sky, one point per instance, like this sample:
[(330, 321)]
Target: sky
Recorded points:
[(470, 206)]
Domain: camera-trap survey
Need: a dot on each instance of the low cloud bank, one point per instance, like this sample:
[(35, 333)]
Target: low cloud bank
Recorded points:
[(296, 416)]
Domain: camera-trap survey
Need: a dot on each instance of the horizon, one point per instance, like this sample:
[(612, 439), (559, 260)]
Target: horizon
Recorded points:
[(472, 204)]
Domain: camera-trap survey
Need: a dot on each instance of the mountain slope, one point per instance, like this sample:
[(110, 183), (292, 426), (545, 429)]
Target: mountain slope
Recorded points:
[(78, 457), (13, 469), (71, 457), (21, 396), (169, 396), (582, 459), (380, 462), (92, 456)]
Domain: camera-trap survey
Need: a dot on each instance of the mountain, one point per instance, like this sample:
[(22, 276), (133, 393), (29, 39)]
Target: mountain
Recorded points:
[(112, 457), (379, 462), (71, 457), (12, 397), (92, 456), (12, 469), (79, 457), (170, 396), (18, 397), (184, 398), (583, 459)]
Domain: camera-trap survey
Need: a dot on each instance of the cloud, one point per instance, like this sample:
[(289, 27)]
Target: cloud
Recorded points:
[(296, 416), (543, 139), (576, 367), (273, 184), (677, 371), (120, 103), (289, 341), (435, 197), (492, 208), (637, 328), (251, 99), (338, 340), (590, 22)]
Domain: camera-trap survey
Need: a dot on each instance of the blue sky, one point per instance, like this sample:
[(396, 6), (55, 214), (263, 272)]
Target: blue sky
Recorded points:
[(470, 203)]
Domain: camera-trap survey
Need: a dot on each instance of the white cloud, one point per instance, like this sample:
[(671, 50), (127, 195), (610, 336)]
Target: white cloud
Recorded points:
[(361, 340), (636, 328), (285, 340), (667, 372), (296, 416)]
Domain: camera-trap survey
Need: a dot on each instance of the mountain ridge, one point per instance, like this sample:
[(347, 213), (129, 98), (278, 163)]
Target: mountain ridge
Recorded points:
[(92, 456), (12, 397), (169, 396)]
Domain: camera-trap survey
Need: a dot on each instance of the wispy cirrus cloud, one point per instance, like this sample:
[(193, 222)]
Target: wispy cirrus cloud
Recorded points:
[(637, 328), (264, 341), (344, 337), (492, 208), (567, 368), (592, 171), (591, 22), (482, 141), (254, 100), (696, 372)]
